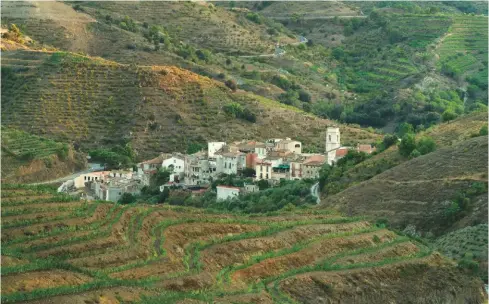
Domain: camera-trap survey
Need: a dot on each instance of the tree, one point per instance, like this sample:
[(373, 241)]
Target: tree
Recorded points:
[(389, 140), (405, 128), (426, 145), (164, 195), (228, 61), (230, 83), (127, 198), (448, 115), (407, 145), (248, 172), (304, 96), (263, 184), (161, 177)]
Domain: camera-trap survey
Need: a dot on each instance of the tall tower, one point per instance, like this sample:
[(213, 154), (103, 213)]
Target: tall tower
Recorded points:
[(332, 143)]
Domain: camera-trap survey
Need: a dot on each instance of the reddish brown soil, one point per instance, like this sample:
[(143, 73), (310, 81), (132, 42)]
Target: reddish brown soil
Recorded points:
[(41, 279), (99, 214), (220, 256), (42, 206), (309, 255)]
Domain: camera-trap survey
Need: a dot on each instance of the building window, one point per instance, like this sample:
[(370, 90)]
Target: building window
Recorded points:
[(330, 138), (261, 175), (85, 178), (267, 175)]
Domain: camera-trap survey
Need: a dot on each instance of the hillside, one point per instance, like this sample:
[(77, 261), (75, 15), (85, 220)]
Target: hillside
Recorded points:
[(28, 158), (418, 192), (95, 102), (156, 254), (376, 64)]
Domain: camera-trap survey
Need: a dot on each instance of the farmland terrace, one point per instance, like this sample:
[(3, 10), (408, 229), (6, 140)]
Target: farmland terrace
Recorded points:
[(56, 249)]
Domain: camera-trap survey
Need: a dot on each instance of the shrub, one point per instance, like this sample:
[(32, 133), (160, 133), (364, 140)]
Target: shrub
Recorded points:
[(230, 83), (448, 115), (407, 145), (248, 172), (483, 130), (426, 145), (127, 198), (304, 96), (415, 153), (228, 61)]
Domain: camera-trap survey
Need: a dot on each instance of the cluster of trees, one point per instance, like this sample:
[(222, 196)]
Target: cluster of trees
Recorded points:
[(461, 204), (332, 177), (114, 158), (238, 111), (295, 95), (409, 147)]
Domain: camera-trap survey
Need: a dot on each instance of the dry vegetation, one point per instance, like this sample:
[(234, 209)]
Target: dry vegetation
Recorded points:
[(94, 102), (95, 252)]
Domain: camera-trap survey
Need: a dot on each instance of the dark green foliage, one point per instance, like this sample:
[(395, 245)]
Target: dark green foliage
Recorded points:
[(331, 177), (405, 128), (263, 184), (248, 172), (304, 96), (483, 130), (415, 153), (230, 83), (407, 145), (254, 17), (236, 110), (448, 115), (160, 178), (389, 140), (115, 158), (127, 198), (194, 147), (426, 145)]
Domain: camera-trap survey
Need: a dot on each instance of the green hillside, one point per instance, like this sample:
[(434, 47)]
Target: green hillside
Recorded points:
[(26, 157)]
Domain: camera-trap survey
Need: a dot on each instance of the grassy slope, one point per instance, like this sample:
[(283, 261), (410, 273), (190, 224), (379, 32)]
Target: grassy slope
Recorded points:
[(161, 108), (28, 158), (415, 192), (182, 255)]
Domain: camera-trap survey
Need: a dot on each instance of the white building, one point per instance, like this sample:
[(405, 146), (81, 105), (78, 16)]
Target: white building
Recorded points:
[(333, 143), (250, 188), (80, 180), (227, 192), (213, 147), (114, 188), (258, 148), (263, 170), (287, 144), (176, 165), (230, 162)]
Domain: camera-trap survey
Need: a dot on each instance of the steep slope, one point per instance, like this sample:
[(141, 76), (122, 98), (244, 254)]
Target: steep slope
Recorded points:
[(28, 158), (420, 192), (95, 103), (98, 252)]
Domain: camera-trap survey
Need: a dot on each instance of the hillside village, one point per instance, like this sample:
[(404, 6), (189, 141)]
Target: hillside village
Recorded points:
[(270, 161)]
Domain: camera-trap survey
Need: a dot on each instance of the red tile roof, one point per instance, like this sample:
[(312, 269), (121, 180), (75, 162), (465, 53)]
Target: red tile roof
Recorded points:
[(341, 152)]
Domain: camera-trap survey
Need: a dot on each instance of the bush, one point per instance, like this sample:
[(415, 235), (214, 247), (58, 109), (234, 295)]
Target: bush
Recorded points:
[(230, 83), (448, 115), (407, 145), (483, 130), (248, 172), (304, 96), (127, 198), (389, 140), (415, 153), (426, 145)]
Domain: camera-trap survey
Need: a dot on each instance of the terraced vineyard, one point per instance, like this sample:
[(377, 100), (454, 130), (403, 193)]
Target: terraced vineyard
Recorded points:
[(69, 97), (464, 48), (56, 249)]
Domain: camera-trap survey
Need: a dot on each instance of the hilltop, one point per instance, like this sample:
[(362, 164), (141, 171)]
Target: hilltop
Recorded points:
[(95, 102), (155, 254), (29, 158)]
